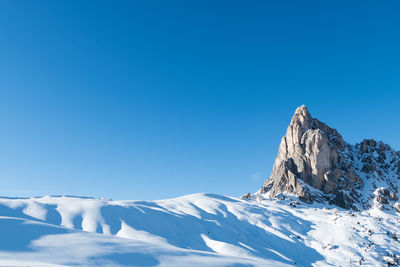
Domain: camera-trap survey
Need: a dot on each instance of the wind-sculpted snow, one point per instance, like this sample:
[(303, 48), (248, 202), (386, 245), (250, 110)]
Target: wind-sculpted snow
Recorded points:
[(193, 230)]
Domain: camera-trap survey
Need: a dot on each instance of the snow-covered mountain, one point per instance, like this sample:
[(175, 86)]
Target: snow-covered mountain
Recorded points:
[(326, 203), (315, 164)]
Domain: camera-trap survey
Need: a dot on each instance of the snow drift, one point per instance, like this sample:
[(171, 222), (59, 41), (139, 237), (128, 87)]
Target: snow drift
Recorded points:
[(192, 230)]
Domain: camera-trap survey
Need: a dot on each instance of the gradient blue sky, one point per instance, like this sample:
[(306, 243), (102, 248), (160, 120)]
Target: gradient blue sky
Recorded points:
[(157, 99)]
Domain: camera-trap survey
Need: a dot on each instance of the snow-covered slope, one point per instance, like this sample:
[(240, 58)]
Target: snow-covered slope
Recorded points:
[(193, 230)]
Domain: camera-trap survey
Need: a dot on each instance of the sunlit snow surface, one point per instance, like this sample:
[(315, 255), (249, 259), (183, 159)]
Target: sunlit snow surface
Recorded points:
[(193, 230)]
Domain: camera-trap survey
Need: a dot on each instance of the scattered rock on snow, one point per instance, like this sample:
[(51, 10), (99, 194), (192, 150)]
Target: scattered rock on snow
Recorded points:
[(246, 196), (330, 246)]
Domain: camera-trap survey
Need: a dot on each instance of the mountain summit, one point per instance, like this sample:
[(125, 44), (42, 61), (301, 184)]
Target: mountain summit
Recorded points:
[(315, 164)]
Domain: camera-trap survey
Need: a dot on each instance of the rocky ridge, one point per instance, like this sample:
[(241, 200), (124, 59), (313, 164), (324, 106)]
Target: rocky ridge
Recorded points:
[(316, 164)]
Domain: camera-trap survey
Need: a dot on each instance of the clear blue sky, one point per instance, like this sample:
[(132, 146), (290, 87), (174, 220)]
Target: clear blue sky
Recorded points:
[(157, 99)]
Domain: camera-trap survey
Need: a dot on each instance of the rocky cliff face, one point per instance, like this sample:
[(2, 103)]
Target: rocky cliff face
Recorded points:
[(315, 164)]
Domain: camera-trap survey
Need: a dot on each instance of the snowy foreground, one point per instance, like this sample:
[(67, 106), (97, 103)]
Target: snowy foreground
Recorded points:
[(193, 230)]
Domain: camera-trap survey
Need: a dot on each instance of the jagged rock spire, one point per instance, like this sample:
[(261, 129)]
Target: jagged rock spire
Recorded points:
[(309, 157)]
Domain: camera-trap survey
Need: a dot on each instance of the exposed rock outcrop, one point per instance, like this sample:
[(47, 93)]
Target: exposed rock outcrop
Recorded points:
[(315, 164), (384, 195), (397, 206)]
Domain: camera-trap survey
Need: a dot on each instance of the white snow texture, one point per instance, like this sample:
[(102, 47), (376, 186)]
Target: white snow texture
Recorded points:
[(193, 230)]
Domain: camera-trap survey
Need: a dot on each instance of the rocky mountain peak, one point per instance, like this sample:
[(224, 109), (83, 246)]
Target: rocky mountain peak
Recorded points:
[(315, 164), (302, 117)]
